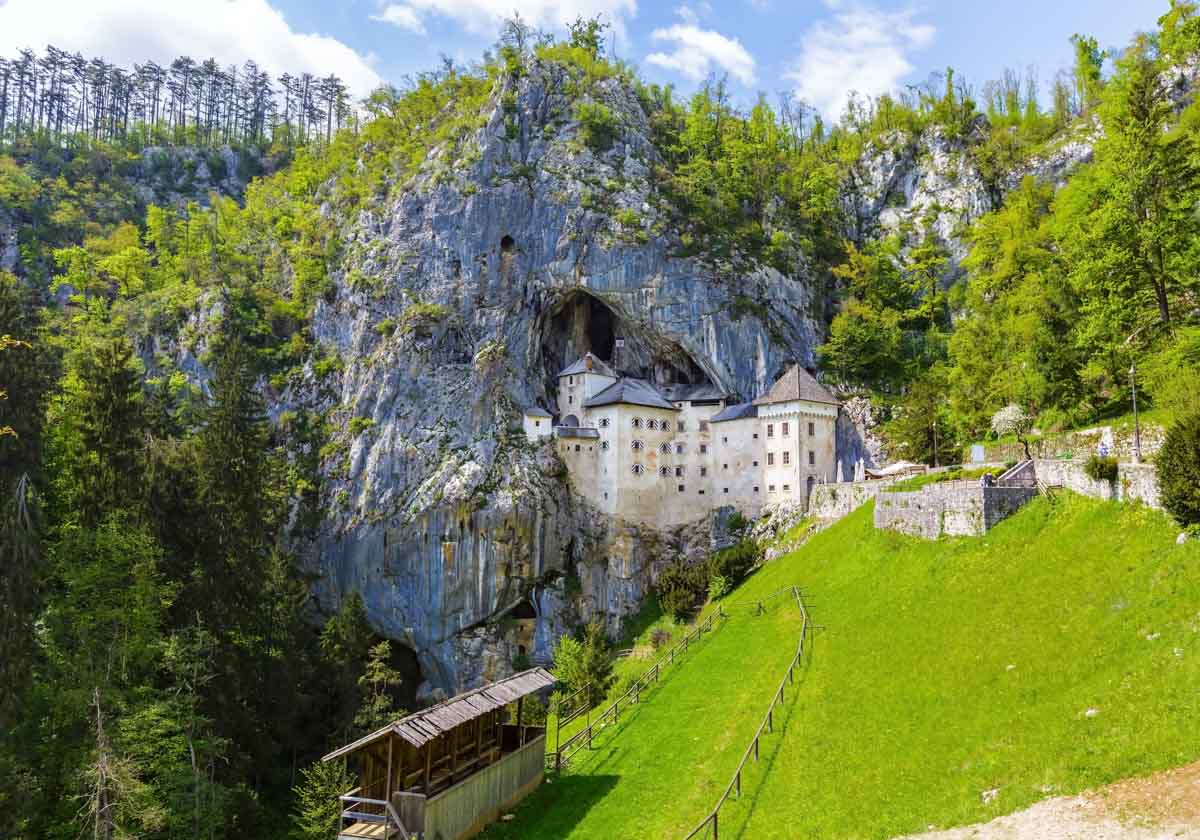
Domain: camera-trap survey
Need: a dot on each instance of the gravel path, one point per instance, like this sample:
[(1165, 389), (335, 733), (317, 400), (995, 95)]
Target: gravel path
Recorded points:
[(1165, 805)]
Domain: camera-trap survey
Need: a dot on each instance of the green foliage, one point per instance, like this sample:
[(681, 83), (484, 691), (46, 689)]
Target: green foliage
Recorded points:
[(921, 429), (680, 587), (317, 814), (585, 664), (1101, 469), (420, 318), (378, 684), (1179, 470), (598, 125)]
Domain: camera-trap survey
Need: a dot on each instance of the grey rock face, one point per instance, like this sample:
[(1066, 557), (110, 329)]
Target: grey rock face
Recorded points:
[(458, 304), (9, 247)]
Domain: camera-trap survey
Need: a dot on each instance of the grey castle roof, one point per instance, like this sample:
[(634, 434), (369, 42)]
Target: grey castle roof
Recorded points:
[(691, 393), (537, 411), (630, 392), (581, 366), (740, 411), (797, 384)]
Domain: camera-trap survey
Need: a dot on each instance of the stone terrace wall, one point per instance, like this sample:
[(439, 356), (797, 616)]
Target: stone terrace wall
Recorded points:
[(1135, 482), (833, 501), (953, 508)]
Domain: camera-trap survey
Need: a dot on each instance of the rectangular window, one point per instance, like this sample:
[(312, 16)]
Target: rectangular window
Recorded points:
[(770, 459), (701, 492), (787, 457), (756, 435), (704, 425), (726, 489), (681, 426), (812, 429), (680, 488), (785, 429), (570, 400), (577, 447), (756, 463), (770, 430), (679, 449), (679, 472), (812, 459), (756, 488), (704, 449), (787, 488), (703, 471), (724, 440), (771, 488), (537, 424), (724, 466)]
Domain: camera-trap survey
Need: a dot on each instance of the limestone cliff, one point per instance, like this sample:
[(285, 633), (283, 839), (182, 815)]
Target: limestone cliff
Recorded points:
[(457, 305)]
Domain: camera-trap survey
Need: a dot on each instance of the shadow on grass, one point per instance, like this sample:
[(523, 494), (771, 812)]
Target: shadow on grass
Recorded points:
[(554, 809)]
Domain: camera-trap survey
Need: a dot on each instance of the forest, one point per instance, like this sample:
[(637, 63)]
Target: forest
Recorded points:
[(163, 670)]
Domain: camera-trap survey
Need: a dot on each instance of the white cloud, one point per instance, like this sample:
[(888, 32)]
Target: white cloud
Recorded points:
[(404, 17), (697, 51), (862, 49), (231, 31), (483, 17)]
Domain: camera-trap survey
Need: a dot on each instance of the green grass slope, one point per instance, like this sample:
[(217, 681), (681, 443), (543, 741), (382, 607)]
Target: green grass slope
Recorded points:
[(1058, 652)]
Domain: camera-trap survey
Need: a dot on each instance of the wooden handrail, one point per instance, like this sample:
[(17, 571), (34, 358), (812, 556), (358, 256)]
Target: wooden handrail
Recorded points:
[(713, 817), (576, 741)]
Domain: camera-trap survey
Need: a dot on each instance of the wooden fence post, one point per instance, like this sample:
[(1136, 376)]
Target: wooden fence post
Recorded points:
[(739, 784), (756, 748), (715, 815), (770, 721)]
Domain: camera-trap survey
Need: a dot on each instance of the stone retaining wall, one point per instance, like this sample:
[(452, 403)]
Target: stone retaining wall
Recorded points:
[(1135, 482), (953, 508), (833, 501)]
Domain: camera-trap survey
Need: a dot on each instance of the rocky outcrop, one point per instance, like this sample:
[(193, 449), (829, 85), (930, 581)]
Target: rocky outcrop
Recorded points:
[(458, 303), (10, 252)]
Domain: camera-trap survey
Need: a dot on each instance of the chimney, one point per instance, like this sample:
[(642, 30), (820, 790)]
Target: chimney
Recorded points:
[(587, 361)]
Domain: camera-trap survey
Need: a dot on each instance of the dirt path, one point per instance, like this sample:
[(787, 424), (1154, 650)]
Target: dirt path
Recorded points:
[(1165, 805)]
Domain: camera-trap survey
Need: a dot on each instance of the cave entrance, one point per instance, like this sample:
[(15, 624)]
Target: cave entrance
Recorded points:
[(404, 660), (580, 323)]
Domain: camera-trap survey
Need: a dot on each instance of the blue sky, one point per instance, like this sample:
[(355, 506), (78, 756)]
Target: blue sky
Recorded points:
[(821, 49)]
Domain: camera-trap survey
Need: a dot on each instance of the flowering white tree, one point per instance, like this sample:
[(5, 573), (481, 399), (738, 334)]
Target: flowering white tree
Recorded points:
[(1012, 420)]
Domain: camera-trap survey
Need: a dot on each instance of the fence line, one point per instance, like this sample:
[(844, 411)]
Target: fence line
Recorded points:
[(768, 723), (583, 737)]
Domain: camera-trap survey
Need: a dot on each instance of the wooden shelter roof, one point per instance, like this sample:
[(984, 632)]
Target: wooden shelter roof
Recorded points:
[(422, 727)]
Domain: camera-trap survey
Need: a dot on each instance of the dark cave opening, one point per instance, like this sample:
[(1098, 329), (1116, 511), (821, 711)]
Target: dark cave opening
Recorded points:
[(580, 323), (405, 661)]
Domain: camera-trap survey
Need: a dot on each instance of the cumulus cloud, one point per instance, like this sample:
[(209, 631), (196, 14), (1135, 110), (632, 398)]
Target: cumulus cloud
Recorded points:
[(231, 31), (696, 51), (861, 48), (483, 17)]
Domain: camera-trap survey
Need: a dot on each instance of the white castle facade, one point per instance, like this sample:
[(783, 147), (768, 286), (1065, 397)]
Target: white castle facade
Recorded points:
[(668, 454)]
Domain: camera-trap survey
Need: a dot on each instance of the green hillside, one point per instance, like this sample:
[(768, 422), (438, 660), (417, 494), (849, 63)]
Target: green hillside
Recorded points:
[(1060, 651)]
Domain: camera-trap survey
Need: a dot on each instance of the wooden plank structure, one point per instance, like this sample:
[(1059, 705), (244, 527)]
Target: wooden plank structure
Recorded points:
[(449, 770)]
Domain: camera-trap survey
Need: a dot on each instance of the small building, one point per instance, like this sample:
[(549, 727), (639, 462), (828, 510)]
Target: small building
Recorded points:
[(446, 772), (538, 423)]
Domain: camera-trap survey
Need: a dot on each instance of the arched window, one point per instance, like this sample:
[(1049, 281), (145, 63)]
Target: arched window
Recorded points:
[(604, 445), (664, 471), (603, 422), (638, 469), (665, 449), (637, 422), (638, 445)]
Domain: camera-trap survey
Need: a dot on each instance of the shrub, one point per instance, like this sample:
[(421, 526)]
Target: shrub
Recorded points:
[(735, 562), (680, 587), (1179, 470), (598, 126), (718, 587), (1101, 469), (585, 663), (358, 425), (521, 662), (660, 637)]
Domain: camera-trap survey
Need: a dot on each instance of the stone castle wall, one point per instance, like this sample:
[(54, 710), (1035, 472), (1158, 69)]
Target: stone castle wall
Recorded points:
[(951, 508), (1135, 482)]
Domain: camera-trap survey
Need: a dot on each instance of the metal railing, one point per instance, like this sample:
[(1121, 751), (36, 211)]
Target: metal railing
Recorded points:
[(377, 812), (768, 724), (583, 738)]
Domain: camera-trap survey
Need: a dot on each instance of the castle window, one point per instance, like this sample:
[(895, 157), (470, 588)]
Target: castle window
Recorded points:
[(704, 449), (787, 488), (703, 471), (770, 459), (725, 466), (577, 447), (756, 435), (537, 424), (812, 458), (604, 445), (638, 445), (679, 472), (651, 423), (570, 400), (679, 449), (664, 471), (681, 426), (770, 430), (638, 469), (701, 492), (724, 440), (603, 422), (785, 429), (756, 488), (756, 463), (787, 457), (665, 449), (681, 488), (812, 429), (637, 422), (771, 488), (704, 425), (726, 490)]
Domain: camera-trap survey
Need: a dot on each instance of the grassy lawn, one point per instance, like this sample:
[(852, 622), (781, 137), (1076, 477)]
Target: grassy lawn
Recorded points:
[(953, 474), (1059, 652)]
